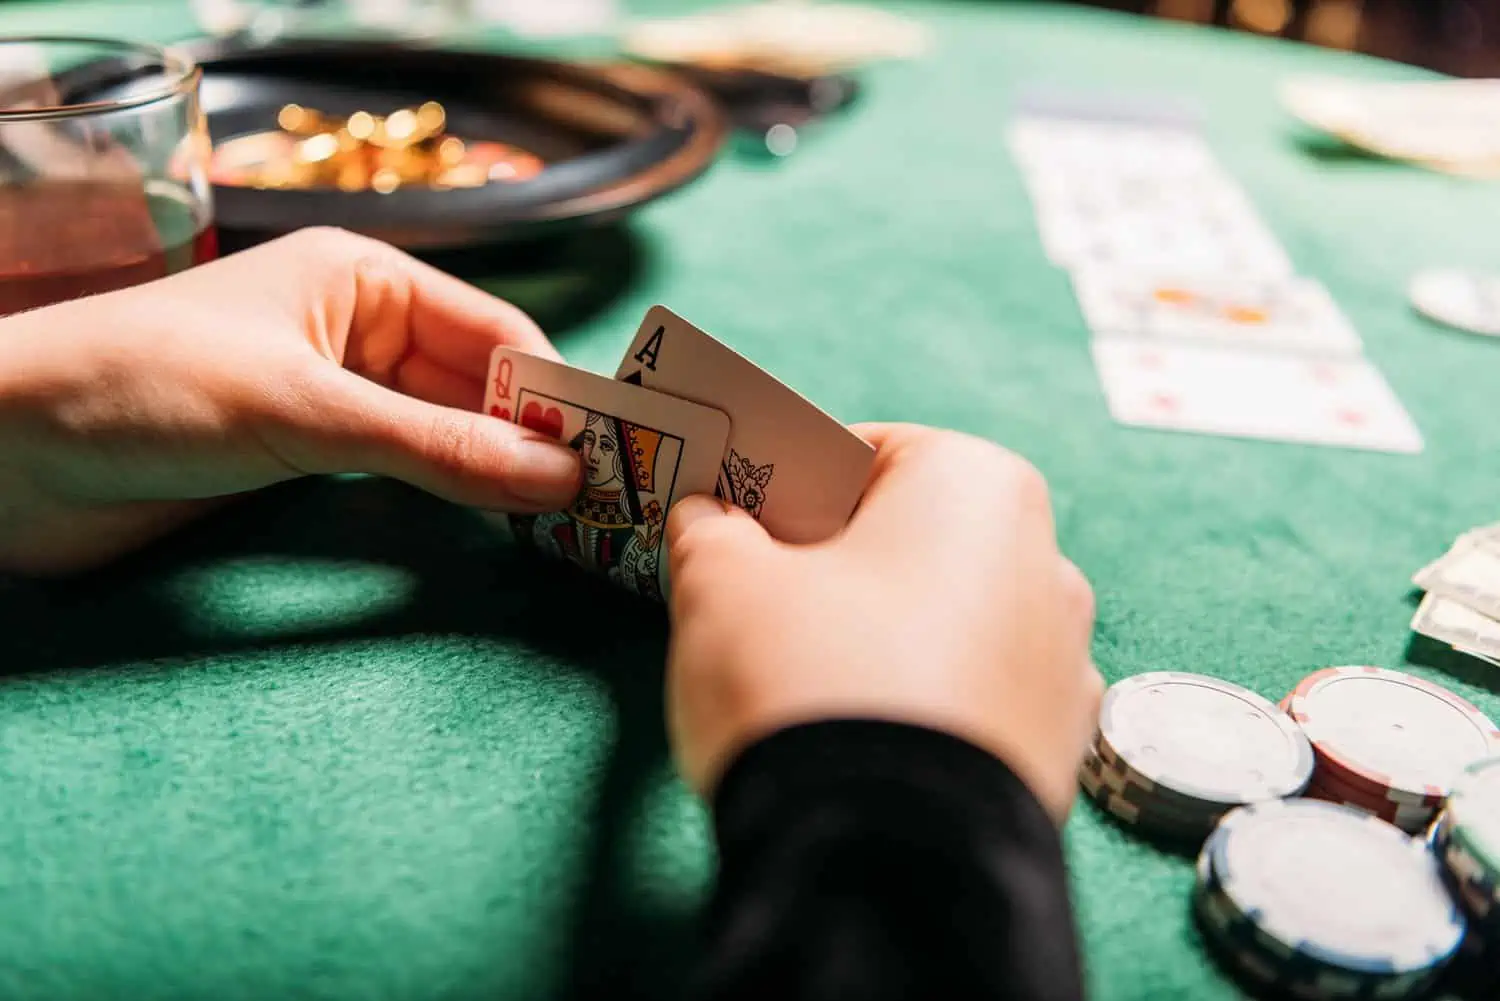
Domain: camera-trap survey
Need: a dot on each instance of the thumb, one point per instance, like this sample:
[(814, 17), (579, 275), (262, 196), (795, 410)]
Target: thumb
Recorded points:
[(705, 536), (462, 456)]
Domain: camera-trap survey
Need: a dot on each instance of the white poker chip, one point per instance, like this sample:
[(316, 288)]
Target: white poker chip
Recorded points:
[(1334, 886), (1200, 742), (1465, 300)]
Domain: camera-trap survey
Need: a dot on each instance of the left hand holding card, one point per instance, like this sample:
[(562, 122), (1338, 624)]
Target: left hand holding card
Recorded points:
[(642, 451)]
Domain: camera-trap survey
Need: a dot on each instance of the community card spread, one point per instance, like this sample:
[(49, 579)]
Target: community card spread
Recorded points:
[(1294, 314), (1253, 394), (796, 469), (642, 451)]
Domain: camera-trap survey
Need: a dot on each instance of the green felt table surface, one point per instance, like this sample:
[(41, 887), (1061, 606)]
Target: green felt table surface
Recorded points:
[(341, 742)]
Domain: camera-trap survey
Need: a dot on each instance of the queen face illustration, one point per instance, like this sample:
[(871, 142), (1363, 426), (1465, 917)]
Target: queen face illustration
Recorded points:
[(614, 524), (600, 448)]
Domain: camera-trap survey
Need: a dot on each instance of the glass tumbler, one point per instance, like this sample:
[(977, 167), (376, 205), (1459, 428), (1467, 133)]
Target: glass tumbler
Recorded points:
[(104, 153)]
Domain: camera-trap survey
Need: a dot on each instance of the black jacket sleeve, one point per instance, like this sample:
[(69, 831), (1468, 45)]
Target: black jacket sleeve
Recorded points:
[(863, 860)]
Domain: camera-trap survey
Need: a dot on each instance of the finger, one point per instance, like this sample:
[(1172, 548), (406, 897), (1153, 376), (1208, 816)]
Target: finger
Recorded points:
[(462, 456), (703, 521), (371, 305), (704, 532), (398, 299), (423, 378), (1078, 593), (459, 324)]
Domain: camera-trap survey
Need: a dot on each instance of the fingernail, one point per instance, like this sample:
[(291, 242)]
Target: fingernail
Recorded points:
[(546, 473)]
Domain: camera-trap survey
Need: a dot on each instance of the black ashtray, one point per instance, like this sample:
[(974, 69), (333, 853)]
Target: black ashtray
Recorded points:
[(611, 138)]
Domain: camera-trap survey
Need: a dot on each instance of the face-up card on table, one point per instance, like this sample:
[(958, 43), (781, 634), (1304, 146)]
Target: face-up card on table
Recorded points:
[(792, 466), (642, 451), (1295, 314), (1252, 394)]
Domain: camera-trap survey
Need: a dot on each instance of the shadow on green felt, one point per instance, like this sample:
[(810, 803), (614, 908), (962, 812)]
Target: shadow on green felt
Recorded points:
[(1329, 149), (466, 582)]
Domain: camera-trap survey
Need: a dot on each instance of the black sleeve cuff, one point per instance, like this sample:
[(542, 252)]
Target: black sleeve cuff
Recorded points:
[(864, 859)]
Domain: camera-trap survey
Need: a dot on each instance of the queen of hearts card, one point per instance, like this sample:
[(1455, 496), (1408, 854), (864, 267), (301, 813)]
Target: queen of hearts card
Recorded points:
[(614, 526)]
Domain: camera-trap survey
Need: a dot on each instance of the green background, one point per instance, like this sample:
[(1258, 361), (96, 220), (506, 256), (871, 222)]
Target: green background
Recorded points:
[(340, 742)]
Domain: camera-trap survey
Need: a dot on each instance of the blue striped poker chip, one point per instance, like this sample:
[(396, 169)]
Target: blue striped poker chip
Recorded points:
[(1233, 938), (1332, 892), (1433, 838), (1204, 744)]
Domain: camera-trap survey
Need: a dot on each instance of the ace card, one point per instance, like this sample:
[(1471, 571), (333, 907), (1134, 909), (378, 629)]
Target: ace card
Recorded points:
[(641, 451), (1211, 389), (789, 464)]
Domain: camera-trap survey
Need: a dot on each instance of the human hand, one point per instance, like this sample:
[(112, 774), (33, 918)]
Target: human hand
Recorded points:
[(945, 603), (321, 352)]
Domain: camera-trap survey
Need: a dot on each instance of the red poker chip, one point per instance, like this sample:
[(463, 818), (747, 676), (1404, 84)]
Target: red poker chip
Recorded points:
[(1411, 819), (1390, 735)]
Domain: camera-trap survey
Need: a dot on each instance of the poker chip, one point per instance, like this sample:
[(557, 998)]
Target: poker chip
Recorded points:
[(1461, 299), (1388, 737), (1135, 806), (1318, 900), (1197, 746), (1410, 820), (1473, 811), (1432, 837), (1468, 842), (1413, 819)]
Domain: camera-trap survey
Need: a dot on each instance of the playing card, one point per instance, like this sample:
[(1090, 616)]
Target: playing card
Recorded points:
[(642, 451), (1254, 394), (1294, 314), (1479, 656), (1161, 110), (1146, 196), (1101, 147), (1461, 628), (792, 466), (1469, 574)]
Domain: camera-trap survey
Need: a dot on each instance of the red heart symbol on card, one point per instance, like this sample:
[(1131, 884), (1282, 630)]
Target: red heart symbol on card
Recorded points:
[(501, 412), (1164, 402), (547, 421)]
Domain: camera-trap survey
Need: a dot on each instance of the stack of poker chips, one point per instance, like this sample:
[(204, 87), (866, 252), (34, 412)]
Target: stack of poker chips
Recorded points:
[(1308, 884), (1312, 899), (1174, 752), (1386, 743)]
